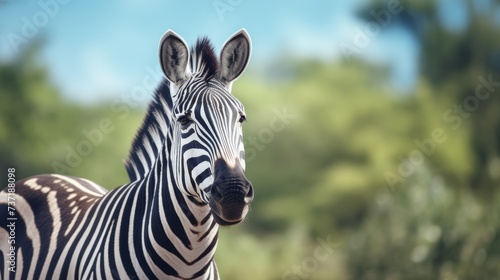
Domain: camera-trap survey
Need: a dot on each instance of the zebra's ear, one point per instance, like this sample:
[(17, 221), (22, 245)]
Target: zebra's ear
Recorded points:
[(174, 57), (234, 57)]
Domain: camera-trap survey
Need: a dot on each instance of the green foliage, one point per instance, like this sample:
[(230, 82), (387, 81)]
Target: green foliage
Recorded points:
[(31, 126), (41, 133), (454, 61), (427, 231)]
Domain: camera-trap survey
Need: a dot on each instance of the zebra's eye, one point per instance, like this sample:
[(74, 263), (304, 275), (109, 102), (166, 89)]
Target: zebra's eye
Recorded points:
[(185, 120), (242, 118)]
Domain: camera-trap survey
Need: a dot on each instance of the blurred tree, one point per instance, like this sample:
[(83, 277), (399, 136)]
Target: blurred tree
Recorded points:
[(429, 231), (40, 132), (28, 120), (463, 65)]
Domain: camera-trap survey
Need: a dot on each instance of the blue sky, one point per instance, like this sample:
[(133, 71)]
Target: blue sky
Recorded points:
[(95, 49)]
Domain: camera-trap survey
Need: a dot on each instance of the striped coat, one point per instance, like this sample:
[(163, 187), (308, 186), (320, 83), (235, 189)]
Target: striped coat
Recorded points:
[(186, 170)]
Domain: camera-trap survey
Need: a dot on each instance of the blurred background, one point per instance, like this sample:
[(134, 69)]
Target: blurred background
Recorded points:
[(373, 139)]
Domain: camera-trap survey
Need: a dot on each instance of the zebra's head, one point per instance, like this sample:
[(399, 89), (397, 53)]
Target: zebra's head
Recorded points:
[(207, 141)]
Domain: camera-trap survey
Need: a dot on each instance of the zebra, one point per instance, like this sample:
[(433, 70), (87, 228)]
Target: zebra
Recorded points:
[(186, 168)]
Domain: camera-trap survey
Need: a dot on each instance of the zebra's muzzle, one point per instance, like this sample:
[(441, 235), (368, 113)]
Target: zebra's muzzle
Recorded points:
[(231, 193)]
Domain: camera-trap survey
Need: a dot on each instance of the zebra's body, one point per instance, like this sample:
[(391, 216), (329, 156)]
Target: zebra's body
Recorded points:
[(186, 169)]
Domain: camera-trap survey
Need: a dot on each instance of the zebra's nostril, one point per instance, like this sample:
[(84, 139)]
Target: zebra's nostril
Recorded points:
[(249, 195)]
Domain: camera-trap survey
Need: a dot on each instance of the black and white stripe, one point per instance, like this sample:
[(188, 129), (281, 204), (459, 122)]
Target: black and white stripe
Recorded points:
[(186, 168)]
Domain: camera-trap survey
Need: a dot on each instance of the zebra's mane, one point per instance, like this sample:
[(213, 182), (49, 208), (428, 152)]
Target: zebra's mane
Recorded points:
[(204, 62), (149, 139)]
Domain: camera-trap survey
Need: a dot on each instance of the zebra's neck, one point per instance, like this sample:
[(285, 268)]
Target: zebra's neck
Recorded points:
[(180, 229)]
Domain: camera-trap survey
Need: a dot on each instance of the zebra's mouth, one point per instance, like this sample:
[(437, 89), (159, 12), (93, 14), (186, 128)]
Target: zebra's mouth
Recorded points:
[(230, 204), (223, 222), (231, 207), (230, 214)]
